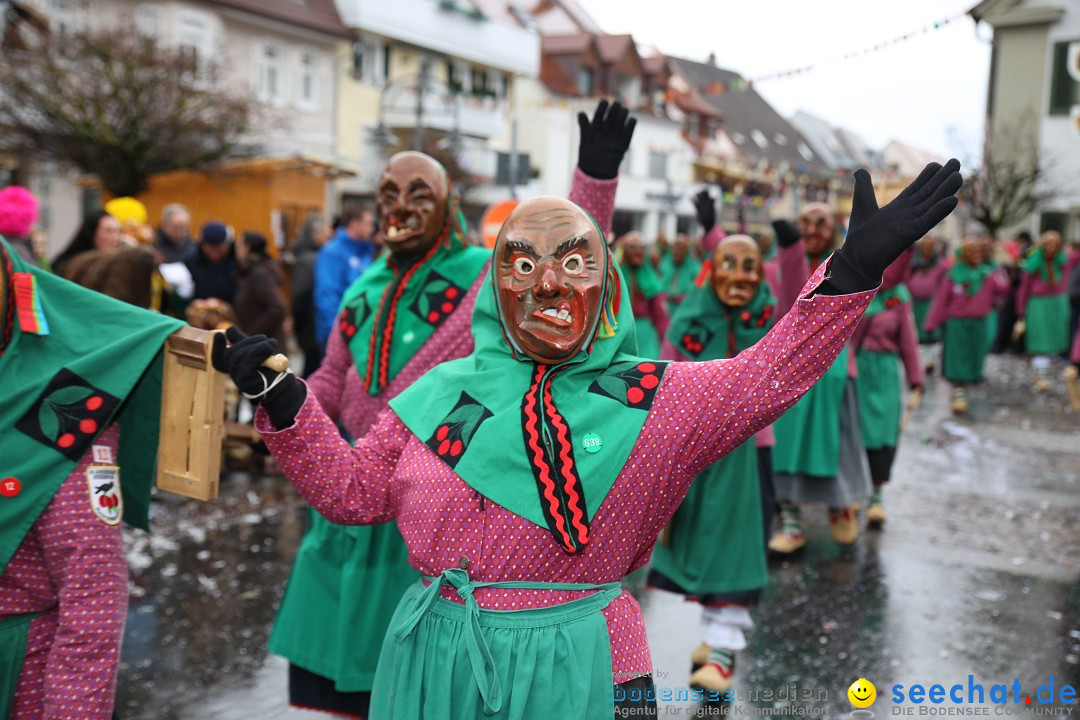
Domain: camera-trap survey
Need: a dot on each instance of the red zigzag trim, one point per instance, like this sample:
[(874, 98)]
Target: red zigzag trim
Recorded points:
[(571, 482), (388, 331), (532, 421)]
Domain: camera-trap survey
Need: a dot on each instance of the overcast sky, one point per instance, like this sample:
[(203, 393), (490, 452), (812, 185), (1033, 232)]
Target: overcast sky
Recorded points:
[(915, 91)]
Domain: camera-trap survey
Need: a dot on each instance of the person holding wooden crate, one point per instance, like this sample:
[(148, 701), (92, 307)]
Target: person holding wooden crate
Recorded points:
[(80, 398), (531, 476), (406, 314)]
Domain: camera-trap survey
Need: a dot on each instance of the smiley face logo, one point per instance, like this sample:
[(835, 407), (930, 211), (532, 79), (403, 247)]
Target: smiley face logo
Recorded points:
[(862, 693)]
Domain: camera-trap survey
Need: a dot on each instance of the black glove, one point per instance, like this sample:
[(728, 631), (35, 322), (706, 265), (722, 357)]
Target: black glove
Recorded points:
[(877, 236), (243, 359), (706, 210), (604, 141), (786, 233)]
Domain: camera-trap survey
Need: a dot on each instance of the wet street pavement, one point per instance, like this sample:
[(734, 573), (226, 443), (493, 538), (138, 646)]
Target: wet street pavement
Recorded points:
[(977, 572)]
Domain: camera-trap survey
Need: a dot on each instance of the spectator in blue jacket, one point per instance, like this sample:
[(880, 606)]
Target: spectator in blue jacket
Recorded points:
[(341, 261)]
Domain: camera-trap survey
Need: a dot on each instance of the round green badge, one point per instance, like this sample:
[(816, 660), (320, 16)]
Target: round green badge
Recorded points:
[(592, 443)]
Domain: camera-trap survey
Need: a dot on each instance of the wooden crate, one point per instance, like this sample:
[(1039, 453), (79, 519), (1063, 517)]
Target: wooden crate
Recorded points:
[(192, 417)]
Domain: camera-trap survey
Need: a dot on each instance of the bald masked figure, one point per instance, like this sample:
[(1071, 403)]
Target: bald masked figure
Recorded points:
[(531, 476)]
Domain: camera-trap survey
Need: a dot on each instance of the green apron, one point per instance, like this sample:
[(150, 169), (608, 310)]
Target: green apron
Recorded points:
[(922, 309), (1047, 323), (991, 329), (14, 630), (328, 582), (714, 545), (879, 398), (648, 341), (808, 435), (442, 659), (964, 351)]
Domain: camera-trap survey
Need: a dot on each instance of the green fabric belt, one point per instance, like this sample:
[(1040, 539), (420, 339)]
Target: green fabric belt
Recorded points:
[(483, 664), (14, 630)]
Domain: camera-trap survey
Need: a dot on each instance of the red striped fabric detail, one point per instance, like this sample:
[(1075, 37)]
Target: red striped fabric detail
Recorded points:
[(378, 363), (541, 469), (575, 500), (9, 301)]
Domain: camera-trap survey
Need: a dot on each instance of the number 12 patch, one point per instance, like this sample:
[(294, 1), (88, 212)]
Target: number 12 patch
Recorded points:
[(105, 498)]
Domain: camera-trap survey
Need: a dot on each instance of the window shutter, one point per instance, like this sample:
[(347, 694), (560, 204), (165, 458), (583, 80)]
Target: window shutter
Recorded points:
[(1063, 87)]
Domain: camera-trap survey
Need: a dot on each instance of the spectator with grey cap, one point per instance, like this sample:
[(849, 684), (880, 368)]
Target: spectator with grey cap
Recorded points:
[(213, 266), (173, 239)]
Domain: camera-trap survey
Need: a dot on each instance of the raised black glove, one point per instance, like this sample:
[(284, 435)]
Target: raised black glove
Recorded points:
[(877, 236), (604, 140), (243, 359), (706, 210), (786, 233)]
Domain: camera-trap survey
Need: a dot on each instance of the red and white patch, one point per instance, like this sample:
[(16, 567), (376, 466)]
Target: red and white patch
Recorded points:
[(105, 498), (103, 455)]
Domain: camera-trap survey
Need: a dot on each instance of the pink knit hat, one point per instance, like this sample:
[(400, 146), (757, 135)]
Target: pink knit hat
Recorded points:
[(18, 211)]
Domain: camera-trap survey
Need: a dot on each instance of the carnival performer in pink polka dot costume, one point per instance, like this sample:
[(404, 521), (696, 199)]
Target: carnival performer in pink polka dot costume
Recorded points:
[(571, 461), (414, 303), (80, 400), (70, 559)]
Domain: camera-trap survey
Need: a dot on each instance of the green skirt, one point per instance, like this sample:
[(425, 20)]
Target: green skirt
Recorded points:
[(648, 341), (714, 542), (445, 660), (964, 352), (14, 629), (922, 309), (879, 398), (344, 587), (991, 329), (1047, 323), (808, 435)]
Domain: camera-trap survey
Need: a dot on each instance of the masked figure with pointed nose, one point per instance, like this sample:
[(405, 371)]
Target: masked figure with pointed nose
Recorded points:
[(713, 550), (406, 314), (531, 476)]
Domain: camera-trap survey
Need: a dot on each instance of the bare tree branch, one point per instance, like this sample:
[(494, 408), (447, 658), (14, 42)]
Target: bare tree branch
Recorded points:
[(1010, 184), (118, 106)]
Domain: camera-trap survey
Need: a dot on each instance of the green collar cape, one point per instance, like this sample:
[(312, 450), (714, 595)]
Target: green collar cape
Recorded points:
[(678, 279), (703, 328), (643, 279), (71, 362), (971, 278), (1050, 272), (887, 299), (391, 310), (546, 442)]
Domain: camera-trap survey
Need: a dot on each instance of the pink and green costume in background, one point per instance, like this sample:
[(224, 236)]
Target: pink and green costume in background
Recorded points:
[(923, 283), (346, 581), (962, 303), (1042, 302), (677, 280), (885, 338), (649, 303), (715, 542), (80, 373), (819, 454), (572, 632)]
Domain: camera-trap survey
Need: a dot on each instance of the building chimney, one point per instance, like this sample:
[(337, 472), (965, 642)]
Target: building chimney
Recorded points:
[(712, 59)]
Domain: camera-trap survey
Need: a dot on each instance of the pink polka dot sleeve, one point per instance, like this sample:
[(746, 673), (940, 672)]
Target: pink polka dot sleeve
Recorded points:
[(346, 485), (707, 409), (71, 568), (596, 197), (329, 382)]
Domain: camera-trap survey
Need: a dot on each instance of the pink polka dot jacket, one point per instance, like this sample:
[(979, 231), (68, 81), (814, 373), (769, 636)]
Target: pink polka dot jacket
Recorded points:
[(70, 567), (700, 413)]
